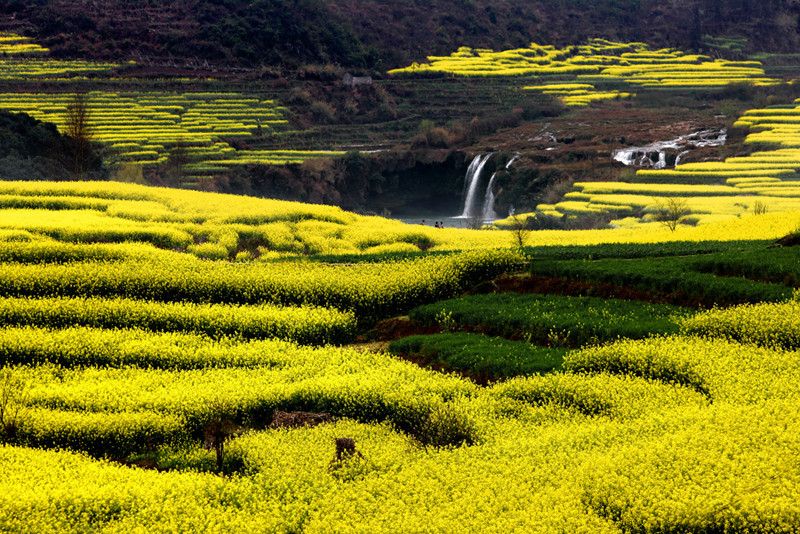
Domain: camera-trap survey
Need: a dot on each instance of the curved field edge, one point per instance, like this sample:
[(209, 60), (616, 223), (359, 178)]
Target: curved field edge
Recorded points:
[(594, 447)]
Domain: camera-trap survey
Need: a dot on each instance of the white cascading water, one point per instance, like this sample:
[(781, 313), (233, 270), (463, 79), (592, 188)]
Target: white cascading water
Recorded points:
[(470, 172), (655, 155), (489, 215), (679, 157), (512, 161), (488, 203), (472, 183)]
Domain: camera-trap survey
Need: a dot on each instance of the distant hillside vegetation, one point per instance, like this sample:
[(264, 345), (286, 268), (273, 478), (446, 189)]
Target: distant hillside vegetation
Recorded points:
[(243, 32), (34, 150), (384, 33), (413, 29)]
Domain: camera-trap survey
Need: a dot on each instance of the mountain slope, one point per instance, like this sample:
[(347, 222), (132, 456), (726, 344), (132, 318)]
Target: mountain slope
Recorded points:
[(380, 33)]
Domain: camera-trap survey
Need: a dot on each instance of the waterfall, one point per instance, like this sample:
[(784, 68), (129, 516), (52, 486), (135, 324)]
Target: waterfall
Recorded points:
[(655, 154), (471, 172), (472, 183), (473, 207), (680, 157), (512, 161), (625, 156), (488, 203)]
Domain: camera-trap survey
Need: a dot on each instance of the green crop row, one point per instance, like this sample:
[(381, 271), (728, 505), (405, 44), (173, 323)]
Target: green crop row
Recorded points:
[(552, 320), (691, 280)]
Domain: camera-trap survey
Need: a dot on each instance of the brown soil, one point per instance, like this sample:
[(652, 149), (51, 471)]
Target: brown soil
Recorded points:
[(791, 240), (370, 346), (605, 128), (398, 328), (299, 419)]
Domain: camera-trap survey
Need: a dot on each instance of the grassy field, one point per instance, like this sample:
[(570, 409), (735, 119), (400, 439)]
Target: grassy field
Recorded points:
[(480, 357), (170, 351), (551, 320)]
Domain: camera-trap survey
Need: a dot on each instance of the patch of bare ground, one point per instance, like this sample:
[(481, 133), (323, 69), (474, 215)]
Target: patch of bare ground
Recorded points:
[(597, 131), (370, 346), (791, 240), (396, 328), (281, 419)]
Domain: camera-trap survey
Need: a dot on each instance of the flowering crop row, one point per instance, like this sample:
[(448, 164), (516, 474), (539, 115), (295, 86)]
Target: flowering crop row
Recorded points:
[(305, 324)]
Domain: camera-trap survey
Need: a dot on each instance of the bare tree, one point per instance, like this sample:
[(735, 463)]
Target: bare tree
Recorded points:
[(78, 129), (173, 171), (346, 449), (217, 432), (671, 212), (520, 230)]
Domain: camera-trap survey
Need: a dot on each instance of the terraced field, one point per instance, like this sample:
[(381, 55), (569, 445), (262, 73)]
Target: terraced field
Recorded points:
[(22, 59), (764, 181), (51, 70), (12, 44), (599, 70), (179, 361), (167, 365), (96, 220), (145, 128)]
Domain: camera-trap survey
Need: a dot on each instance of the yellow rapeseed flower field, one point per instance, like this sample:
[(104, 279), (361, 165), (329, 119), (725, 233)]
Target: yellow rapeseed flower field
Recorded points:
[(572, 73), (178, 361), (138, 323)]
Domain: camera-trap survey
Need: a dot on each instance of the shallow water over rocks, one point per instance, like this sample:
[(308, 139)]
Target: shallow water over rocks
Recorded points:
[(664, 154)]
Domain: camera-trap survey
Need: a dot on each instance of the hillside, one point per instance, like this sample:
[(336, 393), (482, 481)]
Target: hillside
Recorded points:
[(381, 34), (314, 266), (194, 362)]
